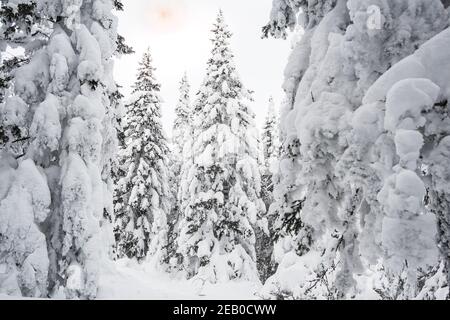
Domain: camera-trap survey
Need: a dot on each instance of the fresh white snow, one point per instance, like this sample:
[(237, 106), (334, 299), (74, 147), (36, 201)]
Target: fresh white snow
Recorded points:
[(126, 279)]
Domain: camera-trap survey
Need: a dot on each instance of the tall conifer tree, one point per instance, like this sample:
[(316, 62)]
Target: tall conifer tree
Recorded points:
[(143, 192), (217, 237)]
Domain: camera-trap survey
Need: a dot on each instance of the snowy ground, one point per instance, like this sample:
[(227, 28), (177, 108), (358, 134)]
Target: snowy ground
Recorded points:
[(128, 280)]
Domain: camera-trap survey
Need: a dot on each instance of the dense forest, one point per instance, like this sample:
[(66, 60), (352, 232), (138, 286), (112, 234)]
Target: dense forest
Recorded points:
[(343, 193)]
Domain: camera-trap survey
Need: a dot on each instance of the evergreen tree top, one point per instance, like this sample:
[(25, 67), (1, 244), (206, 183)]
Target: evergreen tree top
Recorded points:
[(182, 110), (221, 53), (184, 88), (221, 76), (145, 78), (222, 94), (271, 109), (220, 27), (271, 116)]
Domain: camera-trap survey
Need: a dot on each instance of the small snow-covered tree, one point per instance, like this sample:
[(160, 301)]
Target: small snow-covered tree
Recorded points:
[(143, 192), (271, 151), (181, 135), (113, 141), (217, 237), (173, 215), (183, 116), (118, 170)]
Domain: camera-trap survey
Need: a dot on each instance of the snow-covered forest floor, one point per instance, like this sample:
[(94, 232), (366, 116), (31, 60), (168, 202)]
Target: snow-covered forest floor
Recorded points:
[(126, 279)]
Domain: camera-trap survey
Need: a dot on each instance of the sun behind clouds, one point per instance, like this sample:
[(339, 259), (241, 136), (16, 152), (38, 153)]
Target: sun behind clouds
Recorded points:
[(166, 16)]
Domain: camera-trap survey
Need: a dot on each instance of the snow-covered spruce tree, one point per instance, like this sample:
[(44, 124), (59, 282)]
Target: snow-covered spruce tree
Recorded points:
[(184, 191), (217, 237), (183, 117), (377, 29), (324, 190), (113, 141), (181, 135), (297, 231), (270, 141), (141, 215), (173, 216), (271, 150), (181, 131), (374, 146), (66, 86), (118, 169)]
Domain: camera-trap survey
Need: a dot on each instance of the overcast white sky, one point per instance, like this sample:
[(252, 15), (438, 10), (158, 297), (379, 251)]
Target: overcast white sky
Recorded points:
[(178, 33)]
